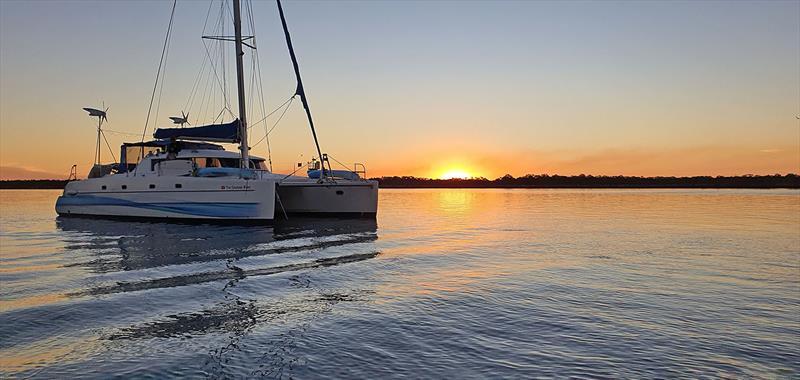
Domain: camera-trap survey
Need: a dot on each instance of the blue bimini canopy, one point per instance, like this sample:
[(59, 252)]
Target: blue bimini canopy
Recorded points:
[(215, 132)]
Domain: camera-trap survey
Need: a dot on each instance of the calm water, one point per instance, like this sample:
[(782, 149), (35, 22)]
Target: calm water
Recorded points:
[(446, 283)]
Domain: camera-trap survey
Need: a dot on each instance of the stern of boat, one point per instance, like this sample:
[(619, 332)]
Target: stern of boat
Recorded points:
[(340, 198)]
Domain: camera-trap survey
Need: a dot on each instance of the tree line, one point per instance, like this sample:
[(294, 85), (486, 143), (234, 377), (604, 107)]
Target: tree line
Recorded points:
[(791, 181), (590, 181)]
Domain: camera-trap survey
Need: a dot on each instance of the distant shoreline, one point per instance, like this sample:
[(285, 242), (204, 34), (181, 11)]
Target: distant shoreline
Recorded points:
[(544, 181), (33, 184), (788, 181)]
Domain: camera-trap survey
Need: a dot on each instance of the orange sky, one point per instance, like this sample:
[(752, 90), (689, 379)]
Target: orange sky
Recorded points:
[(650, 88), (709, 160)]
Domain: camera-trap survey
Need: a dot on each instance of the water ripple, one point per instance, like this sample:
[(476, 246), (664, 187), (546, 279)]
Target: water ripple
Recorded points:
[(466, 284)]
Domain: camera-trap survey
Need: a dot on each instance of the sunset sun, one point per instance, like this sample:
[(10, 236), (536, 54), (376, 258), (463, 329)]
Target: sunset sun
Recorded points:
[(455, 173)]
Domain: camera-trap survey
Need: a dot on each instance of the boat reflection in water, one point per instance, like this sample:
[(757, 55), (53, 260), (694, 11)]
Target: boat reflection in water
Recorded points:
[(229, 282), (126, 246)]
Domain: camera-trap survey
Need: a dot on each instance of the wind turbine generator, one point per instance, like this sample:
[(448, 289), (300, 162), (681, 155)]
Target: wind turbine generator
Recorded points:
[(181, 120), (101, 116)]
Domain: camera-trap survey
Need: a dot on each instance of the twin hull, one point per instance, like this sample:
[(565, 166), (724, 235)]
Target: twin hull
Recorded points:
[(186, 198), (341, 198)]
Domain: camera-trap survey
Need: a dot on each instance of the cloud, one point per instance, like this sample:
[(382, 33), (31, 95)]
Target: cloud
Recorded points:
[(10, 172)]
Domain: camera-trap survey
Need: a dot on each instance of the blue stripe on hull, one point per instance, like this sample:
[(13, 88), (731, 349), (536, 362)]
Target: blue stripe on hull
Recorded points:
[(209, 209)]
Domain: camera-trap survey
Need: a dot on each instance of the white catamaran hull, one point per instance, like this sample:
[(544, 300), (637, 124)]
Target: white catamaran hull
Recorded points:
[(174, 198), (341, 198)]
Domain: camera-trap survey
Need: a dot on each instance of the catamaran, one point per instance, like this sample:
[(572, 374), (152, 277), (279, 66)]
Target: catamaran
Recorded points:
[(184, 174)]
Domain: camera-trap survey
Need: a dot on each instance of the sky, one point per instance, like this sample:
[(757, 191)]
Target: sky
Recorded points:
[(423, 88)]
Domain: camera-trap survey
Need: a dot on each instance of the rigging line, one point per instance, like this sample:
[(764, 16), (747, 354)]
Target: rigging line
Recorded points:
[(195, 86), (221, 51), (109, 146), (251, 88), (220, 117), (97, 148), (295, 171), (251, 104), (253, 55), (273, 111), (274, 125), (217, 48), (120, 132), (220, 61), (206, 85), (260, 82), (214, 67), (161, 89), (343, 165), (213, 83), (220, 82), (230, 14), (160, 63), (253, 52), (280, 117), (220, 114), (208, 14), (300, 90), (224, 54), (205, 100)]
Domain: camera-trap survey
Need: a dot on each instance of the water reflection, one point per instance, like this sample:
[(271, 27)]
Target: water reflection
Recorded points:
[(118, 271), (125, 246), (509, 282), (231, 273), (134, 248)]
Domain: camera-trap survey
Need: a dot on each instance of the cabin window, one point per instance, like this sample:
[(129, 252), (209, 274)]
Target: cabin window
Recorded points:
[(103, 187), (178, 185), (134, 153), (205, 162), (225, 162), (229, 162), (258, 164), (214, 162), (152, 186), (124, 187), (339, 192)]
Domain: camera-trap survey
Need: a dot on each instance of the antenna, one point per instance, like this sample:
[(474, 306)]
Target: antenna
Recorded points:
[(101, 116)]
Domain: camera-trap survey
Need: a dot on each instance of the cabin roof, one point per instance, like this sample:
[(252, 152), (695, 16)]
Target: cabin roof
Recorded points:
[(184, 144), (209, 153)]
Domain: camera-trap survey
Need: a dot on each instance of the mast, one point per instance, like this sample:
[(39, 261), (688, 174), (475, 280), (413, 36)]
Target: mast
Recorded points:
[(300, 91), (97, 148), (237, 25), (100, 115)]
